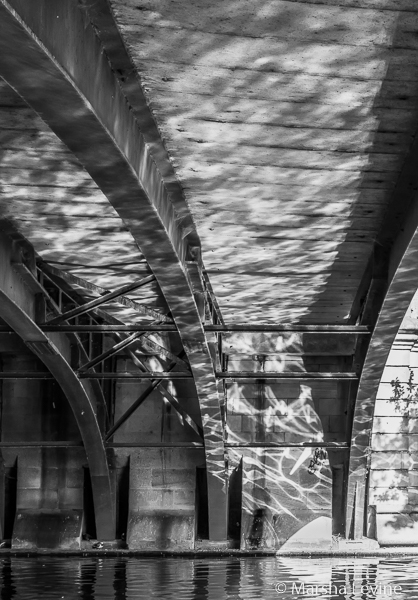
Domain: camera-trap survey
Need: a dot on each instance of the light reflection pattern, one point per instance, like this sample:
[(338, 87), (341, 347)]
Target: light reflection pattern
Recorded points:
[(393, 479), (201, 578), (276, 120), (281, 501)]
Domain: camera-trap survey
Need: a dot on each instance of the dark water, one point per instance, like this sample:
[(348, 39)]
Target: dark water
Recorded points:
[(268, 578)]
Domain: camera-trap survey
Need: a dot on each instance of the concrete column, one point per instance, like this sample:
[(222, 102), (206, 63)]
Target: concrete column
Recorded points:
[(162, 499), (49, 498), (22, 403), (282, 504)]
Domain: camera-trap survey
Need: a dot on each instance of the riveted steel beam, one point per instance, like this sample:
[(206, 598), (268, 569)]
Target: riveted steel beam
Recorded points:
[(64, 280), (110, 352), (88, 306), (288, 327), (37, 287), (187, 419), (162, 328), (285, 375), (58, 276), (39, 347)]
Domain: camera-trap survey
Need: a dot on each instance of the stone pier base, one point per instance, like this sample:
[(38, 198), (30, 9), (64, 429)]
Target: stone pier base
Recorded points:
[(162, 498)]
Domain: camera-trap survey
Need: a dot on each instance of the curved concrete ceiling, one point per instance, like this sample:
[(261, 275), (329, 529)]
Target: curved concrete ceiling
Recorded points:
[(53, 201), (287, 123)]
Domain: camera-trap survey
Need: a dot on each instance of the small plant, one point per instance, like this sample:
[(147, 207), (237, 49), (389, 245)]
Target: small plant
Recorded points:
[(318, 459), (404, 395)]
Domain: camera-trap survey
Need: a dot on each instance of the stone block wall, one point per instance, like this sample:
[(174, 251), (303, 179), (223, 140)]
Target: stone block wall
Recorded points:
[(393, 477), (294, 509), (283, 505), (162, 498), (50, 480), (155, 420), (287, 412), (49, 499)]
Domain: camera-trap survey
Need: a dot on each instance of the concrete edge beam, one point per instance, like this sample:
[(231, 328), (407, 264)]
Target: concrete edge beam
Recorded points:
[(52, 57)]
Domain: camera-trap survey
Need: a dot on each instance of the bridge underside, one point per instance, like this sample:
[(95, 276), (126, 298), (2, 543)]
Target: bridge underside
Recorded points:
[(208, 274)]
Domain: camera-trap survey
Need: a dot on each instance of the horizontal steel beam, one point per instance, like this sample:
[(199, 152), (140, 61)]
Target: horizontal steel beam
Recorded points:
[(155, 445), (41, 444), (110, 352), (277, 380), (60, 277), (238, 375), (411, 331), (325, 329), (285, 327), (146, 328), (336, 445), (71, 444), (88, 306), (149, 375)]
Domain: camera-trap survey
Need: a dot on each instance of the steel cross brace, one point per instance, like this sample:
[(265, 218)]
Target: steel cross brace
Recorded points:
[(188, 419), (125, 343), (65, 280), (88, 306), (72, 280), (197, 429)]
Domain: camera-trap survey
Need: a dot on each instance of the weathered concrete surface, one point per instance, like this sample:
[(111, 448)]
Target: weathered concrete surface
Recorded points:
[(401, 279), (46, 529), (155, 421), (49, 499), (162, 506), (52, 200), (393, 464), (49, 502), (286, 412), (282, 504), (288, 132)]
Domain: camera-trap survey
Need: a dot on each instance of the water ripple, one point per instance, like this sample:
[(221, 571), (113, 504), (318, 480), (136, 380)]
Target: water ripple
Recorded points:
[(233, 578)]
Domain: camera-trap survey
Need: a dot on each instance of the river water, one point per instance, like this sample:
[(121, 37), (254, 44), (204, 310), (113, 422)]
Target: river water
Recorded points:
[(246, 578)]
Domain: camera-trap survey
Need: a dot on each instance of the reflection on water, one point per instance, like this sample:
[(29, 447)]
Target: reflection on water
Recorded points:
[(52, 578)]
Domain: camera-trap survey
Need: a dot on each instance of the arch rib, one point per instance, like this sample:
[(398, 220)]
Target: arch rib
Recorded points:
[(50, 54), (403, 277)]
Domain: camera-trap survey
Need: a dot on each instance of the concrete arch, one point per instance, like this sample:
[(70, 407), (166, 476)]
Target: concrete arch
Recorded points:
[(403, 277), (16, 309), (391, 495), (52, 57)]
